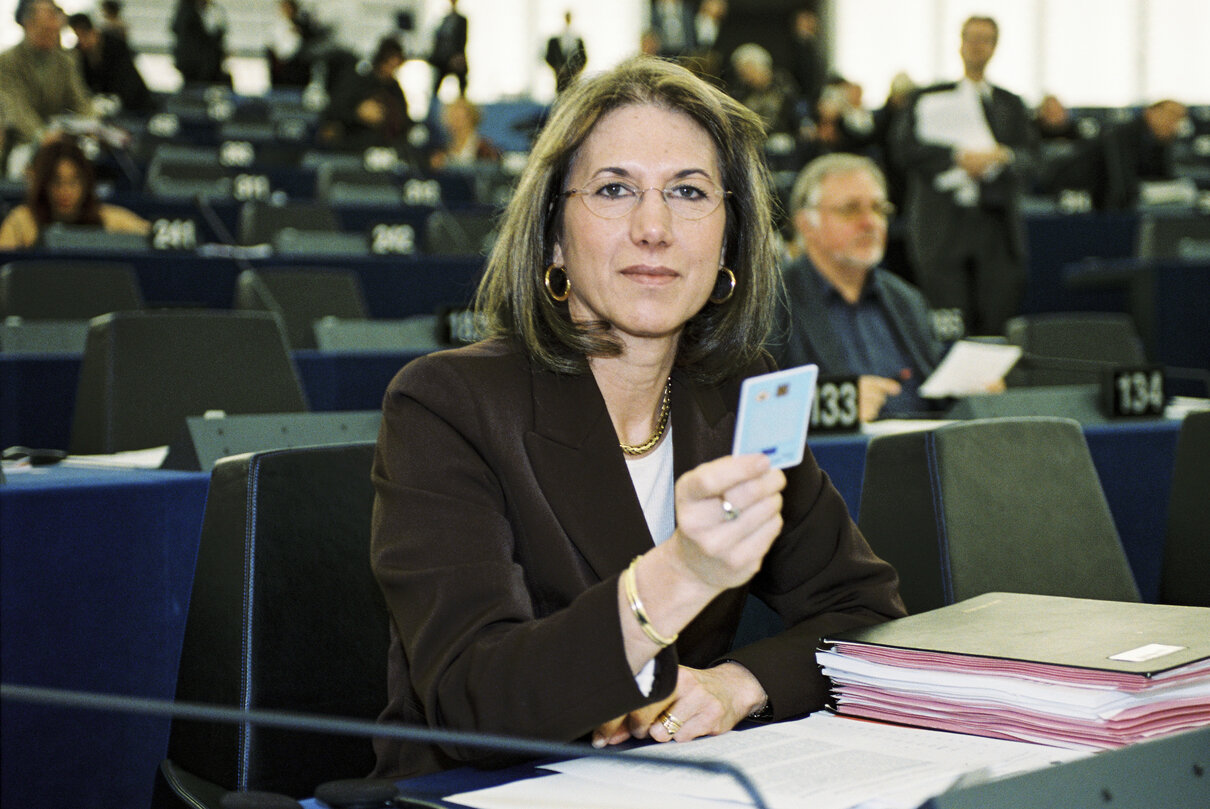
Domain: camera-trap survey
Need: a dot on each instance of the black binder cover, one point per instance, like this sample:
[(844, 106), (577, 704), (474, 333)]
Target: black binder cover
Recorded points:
[(1052, 630)]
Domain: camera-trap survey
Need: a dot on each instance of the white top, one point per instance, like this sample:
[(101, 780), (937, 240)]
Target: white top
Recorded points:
[(654, 484)]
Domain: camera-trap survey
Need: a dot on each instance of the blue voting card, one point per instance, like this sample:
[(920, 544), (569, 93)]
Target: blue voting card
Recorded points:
[(774, 412)]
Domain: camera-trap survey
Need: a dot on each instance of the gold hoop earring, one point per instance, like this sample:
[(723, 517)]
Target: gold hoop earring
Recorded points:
[(715, 298), (557, 297)]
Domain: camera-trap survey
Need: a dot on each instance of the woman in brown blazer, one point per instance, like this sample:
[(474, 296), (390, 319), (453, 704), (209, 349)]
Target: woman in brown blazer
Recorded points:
[(563, 539)]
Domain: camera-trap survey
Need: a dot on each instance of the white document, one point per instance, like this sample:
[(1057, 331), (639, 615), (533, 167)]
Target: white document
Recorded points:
[(970, 368), (955, 119), (150, 458), (820, 762)]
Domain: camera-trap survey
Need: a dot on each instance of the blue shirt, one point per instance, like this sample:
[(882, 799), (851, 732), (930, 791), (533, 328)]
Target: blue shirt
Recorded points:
[(870, 345)]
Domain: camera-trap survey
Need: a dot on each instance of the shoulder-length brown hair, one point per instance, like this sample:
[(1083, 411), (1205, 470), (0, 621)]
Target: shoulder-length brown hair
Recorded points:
[(42, 172), (512, 299)]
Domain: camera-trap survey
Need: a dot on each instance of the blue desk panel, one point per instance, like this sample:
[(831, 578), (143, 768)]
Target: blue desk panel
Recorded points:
[(95, 572)]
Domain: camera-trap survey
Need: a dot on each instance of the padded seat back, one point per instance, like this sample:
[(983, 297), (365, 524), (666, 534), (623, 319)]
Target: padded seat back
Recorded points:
[(285, 615), (144, 372), (1095, 340), (1008, 505), (260, 222), (460, 233), (1185, 578), (63, 289), (301, 297)]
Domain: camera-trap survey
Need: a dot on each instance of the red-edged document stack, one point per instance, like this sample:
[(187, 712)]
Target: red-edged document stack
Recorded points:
[(1069, 672)]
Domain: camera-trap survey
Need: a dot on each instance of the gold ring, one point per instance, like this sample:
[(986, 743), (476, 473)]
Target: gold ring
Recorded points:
[(670, 722), (730, 512)]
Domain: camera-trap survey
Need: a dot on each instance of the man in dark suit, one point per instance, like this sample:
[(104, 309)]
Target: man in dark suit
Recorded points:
[(566, 55), (842, 311), (1111, 166), (448, 56), (968, 150), (200, 31), (108, 65)]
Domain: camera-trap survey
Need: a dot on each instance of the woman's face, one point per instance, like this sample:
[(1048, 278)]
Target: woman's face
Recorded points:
[(650, 270), (66, 191)]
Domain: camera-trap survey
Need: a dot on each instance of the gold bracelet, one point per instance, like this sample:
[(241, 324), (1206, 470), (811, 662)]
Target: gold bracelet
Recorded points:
[(640, 614)]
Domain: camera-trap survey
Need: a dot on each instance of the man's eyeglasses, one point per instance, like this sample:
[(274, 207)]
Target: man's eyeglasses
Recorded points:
[(852, 210), (610, 198)]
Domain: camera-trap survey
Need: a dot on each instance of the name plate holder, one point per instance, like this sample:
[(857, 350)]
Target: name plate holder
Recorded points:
[(1134, 392), (837, 405)]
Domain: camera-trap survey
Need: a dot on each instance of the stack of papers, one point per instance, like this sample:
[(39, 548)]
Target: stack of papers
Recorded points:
[(1075, 673), (820, 762)]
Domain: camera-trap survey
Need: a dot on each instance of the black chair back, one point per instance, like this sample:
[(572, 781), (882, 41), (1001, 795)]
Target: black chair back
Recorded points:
[(260, 222), (1185, 578), (285, 615), (67, 289), (1008, 505), (460, 233), (144, 372), (300, 297), (1096, 341)]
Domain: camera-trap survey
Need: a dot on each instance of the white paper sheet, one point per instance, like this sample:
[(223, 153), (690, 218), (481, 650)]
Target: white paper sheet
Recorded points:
[(969, 369), (821, 762)]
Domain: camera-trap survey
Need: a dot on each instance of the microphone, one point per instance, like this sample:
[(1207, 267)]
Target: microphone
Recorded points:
[(315, 723), (226, 237)]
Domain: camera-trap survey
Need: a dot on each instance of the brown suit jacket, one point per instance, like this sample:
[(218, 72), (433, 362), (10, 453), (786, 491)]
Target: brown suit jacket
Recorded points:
[(504, 516)]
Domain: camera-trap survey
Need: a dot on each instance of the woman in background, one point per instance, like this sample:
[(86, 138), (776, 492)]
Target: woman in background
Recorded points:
[(61, 187)]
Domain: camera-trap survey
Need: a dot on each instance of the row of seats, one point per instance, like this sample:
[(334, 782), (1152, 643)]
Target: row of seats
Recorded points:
[(1022, 511)]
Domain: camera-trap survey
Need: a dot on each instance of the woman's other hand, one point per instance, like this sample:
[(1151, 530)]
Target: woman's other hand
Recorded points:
[(706, 702)]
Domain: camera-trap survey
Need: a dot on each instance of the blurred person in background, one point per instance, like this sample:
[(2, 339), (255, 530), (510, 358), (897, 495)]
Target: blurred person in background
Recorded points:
[(108, 65), (808, 67), (673, 22), (39, 79), (61, 188), (565, 54), (370, 109), (707, 59), (1112, 166), (448, 56), (842, 310), (767, 92), (111, 18), (200, 28), (969, 152), (464, 145), (291, 48)]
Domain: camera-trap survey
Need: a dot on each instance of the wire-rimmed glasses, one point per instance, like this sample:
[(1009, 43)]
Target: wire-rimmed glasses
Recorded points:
[(611, 198)]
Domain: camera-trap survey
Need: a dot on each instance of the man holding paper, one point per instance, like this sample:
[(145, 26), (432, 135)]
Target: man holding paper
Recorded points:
[(842, 311), (968, 149)]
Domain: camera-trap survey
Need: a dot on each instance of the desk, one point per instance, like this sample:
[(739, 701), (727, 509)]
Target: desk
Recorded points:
[(394, 286), (89, 550), (95, 572), (38, 391)]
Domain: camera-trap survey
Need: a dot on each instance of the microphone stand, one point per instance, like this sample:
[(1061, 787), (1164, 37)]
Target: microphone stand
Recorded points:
[(358, 727)]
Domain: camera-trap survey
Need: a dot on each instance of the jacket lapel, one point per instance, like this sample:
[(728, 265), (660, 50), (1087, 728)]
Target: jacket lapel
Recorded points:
[(582, 473)]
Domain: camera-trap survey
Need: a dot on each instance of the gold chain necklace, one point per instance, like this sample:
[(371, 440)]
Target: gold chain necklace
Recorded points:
[(660, 426)]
